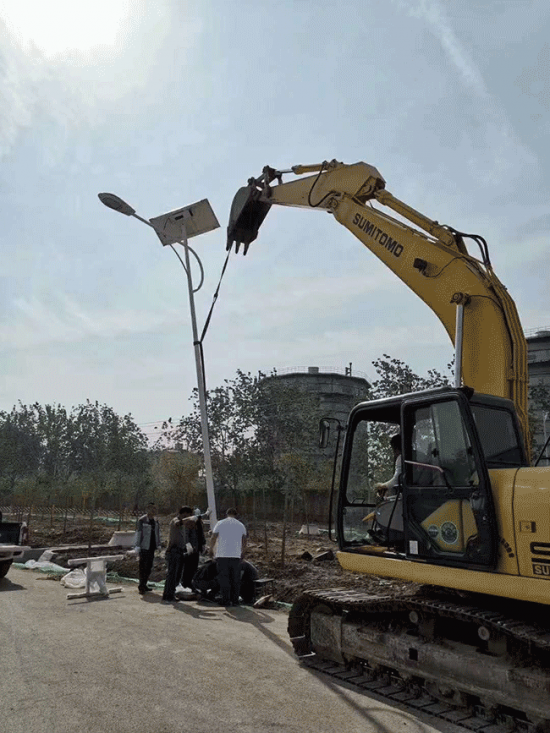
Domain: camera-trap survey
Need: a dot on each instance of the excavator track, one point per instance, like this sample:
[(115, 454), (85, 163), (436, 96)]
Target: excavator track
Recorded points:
[(478, 666)]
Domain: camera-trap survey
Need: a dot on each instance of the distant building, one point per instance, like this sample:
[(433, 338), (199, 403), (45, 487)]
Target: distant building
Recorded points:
[(538, 355), (334, 392)]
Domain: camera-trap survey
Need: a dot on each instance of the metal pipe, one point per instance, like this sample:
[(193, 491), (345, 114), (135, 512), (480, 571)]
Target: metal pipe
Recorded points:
[(338, 431), (200, 383), (458, 344)]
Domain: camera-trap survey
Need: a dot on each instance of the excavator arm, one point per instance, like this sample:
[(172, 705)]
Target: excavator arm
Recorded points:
[(434, 263)]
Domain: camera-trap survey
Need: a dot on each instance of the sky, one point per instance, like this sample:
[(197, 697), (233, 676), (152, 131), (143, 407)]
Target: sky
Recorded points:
[(170, 102)]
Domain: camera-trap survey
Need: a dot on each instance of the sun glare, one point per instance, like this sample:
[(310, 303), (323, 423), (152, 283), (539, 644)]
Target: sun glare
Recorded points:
[(61, 27)]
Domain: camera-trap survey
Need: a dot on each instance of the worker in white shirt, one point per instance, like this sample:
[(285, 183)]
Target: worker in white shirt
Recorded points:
[(229, 537)]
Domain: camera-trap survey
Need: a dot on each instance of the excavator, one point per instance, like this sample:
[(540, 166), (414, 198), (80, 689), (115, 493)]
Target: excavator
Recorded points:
[(468, 636)]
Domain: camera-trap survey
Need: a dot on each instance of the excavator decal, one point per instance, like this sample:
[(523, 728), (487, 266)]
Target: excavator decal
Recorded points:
[(373, 231), (541, 567)]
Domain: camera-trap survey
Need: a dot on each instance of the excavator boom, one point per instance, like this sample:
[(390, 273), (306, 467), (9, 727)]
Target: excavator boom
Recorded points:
[(434, 263)]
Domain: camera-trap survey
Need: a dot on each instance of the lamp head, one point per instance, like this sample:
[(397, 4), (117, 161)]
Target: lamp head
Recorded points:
[(116, 203)]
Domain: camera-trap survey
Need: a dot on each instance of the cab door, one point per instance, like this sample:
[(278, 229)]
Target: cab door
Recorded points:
[(447, 502)]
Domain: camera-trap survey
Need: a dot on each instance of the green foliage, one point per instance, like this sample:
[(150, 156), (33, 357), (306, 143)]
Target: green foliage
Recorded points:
[(175, 475), (19, 447), (49, 455), (395, 377), (263, 433), (254, 422)]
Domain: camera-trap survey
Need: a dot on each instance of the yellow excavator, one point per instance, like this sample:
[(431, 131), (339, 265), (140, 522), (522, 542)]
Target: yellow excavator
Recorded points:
[(469, 524)]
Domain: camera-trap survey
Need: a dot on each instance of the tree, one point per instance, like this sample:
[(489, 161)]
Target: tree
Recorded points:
[(395, 377), (176, 475), (254, 423), (19, 450), (298, 474), (105, 449), (53, 430), (229, 427)]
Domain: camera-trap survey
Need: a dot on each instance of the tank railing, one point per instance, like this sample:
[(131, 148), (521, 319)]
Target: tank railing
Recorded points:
[(325, 370), (535, 331)]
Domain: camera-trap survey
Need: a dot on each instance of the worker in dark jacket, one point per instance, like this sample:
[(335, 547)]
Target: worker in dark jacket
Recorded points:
[(146, 541), (177, 551), (195, 543), (205, 581)]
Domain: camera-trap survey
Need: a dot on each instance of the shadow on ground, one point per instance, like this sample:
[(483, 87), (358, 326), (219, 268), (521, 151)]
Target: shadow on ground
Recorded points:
[(6, 584)]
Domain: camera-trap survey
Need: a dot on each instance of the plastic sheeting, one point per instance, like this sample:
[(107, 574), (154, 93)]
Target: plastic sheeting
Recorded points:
[(45, 566)]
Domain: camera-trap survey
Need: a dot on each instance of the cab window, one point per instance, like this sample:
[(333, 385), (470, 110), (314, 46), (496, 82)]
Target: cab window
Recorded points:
[(498, 437), (439, 441)]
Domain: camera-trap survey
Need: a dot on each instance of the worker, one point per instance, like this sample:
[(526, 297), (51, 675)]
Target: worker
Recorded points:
[(147, 540), (23, 533), (195, 542), (248, 575), (174, 555), (229, 537), (389, 488), (205, 581)]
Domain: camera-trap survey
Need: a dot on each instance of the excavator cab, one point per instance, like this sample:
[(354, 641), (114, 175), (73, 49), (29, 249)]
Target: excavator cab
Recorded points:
[(443, 512), (246, 217)]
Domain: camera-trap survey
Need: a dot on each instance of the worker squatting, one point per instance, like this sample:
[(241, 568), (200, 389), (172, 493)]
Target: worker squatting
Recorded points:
[(378, 235)]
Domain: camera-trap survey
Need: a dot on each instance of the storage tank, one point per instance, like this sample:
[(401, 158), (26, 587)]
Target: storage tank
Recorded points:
[(334, 392)]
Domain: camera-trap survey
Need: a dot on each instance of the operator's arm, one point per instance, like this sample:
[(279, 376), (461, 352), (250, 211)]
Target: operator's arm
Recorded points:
[(393, 482), (243, 546)]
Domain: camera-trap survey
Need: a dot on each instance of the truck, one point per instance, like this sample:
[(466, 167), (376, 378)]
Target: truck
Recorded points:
[(10, 545), (469, 525)]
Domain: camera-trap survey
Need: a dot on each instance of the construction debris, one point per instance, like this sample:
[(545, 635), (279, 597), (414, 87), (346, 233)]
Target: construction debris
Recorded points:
[(328, 555), (263, 601), (95, 573)]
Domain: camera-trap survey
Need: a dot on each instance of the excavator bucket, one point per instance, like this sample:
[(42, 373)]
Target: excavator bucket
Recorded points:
[(247, 214)]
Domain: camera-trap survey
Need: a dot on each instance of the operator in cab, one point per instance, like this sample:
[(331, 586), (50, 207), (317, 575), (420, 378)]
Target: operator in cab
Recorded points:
[(389, 487)]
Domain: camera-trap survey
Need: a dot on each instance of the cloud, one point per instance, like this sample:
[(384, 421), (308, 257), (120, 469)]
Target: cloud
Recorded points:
[(63, 320), (16, 94), (496, 146), (431, 11), (294, 300)]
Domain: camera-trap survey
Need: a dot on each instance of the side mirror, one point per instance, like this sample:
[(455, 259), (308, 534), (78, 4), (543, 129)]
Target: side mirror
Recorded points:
[(324, 432)]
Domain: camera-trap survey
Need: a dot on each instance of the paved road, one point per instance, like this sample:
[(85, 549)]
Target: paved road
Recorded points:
[(131, 664)]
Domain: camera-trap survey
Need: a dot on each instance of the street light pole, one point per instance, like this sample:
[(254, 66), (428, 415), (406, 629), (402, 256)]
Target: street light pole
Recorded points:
[(175, 227), (199, 362)]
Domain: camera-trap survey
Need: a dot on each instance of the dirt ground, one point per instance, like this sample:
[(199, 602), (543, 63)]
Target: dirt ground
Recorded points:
[(290, 579)]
